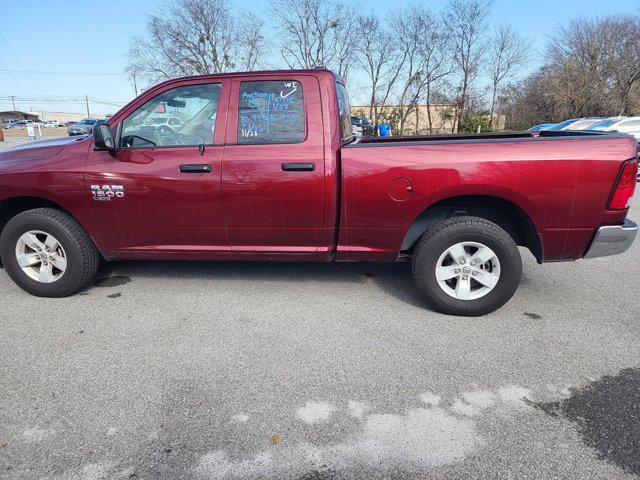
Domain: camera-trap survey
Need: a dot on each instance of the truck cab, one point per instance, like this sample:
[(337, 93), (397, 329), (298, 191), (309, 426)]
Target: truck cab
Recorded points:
[(264, 146)]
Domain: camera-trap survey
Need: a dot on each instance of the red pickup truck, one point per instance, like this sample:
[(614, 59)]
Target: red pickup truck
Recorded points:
[(263, 166)]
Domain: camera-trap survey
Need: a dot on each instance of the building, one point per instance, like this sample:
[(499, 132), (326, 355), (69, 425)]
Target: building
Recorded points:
[(64, 117), (444, 118), (43, 116), (17, 115)]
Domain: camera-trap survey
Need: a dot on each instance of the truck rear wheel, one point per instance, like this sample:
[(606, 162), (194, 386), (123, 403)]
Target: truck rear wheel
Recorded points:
[(47, 253), (467, 266)]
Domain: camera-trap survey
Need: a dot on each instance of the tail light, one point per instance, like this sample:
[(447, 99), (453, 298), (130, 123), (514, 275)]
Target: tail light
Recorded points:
[(625, 186)]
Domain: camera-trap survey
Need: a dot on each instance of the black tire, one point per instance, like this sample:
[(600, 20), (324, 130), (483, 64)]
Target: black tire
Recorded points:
[(466, 229), (81, 253)]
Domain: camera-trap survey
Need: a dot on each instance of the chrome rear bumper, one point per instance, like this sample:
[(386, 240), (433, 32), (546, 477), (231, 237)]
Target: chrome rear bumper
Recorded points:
[(612, 240)]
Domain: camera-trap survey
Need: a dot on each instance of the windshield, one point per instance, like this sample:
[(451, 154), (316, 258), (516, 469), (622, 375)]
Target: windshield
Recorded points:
[(561, 125), (603, 124), (542, 126), (158, 121), (87, 121)]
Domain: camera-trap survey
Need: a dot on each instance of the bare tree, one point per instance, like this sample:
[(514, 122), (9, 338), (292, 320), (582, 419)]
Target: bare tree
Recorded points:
[(195, 37), (508, 52), (466, 24), (381, 60), (408, 27), (253, 43), (592, 67), (597, 64), (314, 33), (527, 103), (436, 67)]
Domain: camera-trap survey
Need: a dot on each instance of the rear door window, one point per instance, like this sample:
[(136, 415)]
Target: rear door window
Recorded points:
[(271, 112)]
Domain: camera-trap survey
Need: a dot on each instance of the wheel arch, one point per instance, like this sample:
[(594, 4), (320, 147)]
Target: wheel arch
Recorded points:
[(10, 207), (505, 213)]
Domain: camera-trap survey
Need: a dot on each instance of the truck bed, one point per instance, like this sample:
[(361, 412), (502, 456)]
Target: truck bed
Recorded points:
[(560, 181)]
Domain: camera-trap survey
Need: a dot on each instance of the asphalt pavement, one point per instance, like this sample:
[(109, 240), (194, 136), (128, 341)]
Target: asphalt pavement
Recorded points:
[(320, 371)]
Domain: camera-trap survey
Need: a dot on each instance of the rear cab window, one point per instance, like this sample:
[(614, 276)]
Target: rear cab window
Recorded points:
[(271, 111), (344, 113)]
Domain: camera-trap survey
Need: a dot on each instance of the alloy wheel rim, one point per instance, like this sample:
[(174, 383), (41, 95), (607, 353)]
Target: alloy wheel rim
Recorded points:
[(467, 270), (41, 256)]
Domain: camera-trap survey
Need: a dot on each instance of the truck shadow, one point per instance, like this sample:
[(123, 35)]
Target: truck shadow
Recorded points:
[(394, 279)]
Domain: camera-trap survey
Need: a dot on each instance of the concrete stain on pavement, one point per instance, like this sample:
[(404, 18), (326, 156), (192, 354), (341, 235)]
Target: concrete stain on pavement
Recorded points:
[(429, 434)]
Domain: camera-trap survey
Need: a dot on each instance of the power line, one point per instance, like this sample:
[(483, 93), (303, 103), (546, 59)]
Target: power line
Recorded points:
[(19, 62), (60, 100), (44, 72), (34, 98), (24, 68), (15, 81), (45, 99)]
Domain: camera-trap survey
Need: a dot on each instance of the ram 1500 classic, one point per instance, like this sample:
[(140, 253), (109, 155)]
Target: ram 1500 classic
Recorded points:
[(263, 166)]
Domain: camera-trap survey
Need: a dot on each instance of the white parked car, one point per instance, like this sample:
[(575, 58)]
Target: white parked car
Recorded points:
[(630, 125), (51, 124), (164, 123), (575, 123), (604, 124)]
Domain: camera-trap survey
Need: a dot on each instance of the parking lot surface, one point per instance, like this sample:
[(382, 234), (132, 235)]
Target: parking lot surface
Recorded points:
[(313, 371)]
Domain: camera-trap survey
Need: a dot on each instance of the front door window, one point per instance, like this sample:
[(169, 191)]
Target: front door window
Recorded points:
[(182, 116)]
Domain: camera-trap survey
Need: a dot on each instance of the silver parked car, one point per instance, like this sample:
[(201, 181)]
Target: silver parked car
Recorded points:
[(83, 127)]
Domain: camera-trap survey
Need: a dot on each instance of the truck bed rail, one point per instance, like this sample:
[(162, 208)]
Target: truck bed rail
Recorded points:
[(487, 136)]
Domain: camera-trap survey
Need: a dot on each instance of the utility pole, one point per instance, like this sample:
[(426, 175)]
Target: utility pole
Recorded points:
[(135, 84), (13, 101), (86, 99)]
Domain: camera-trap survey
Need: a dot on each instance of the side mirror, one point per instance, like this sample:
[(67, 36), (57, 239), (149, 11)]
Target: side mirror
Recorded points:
[(102, 138)]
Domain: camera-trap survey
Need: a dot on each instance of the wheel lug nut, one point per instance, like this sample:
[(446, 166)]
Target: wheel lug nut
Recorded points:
[(474, 273), (464, 277), (456, 270)]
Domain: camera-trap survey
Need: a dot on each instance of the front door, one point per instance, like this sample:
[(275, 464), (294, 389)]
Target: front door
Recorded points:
[(273, 165), (159, 194)]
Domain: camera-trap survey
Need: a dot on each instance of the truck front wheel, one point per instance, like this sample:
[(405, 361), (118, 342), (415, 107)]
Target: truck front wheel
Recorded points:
[(47, 253), (467, 266)]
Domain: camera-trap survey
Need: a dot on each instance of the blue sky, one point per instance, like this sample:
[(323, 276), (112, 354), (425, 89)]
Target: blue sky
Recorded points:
[(92, 37)]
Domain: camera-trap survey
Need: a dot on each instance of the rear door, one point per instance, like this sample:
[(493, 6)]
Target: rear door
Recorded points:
[(273, 165)]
